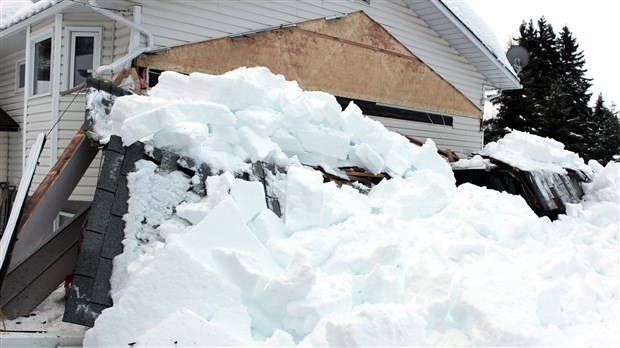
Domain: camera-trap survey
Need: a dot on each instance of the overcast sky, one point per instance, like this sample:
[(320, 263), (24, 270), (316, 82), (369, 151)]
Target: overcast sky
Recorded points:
[(594, 23)]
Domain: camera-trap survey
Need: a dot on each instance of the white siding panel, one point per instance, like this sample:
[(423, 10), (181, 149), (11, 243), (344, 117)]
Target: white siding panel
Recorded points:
[(178, 23), (12, 102), (4, 156), (464, 137)]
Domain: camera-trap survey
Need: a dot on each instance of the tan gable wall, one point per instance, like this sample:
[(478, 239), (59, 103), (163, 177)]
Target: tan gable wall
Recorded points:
[(352, 57)]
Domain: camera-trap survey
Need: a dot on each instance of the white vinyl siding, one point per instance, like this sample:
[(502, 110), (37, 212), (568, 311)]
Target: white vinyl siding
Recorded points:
[(38, 121), (72, 105), (12, 103), (463, 137), (4, 156), (174, 24)]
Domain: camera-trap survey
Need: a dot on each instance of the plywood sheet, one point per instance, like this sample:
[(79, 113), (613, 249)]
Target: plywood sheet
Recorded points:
[(352, 57)]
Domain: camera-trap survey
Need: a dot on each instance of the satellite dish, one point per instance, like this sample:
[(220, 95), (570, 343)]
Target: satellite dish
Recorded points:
[(518, 56)]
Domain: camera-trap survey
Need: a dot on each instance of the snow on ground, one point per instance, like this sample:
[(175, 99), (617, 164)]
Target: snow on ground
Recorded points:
[(415, 262), (47, 317)]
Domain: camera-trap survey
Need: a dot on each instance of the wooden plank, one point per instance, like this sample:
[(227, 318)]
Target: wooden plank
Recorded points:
[(48, 199), (33, 280), (8, 238)]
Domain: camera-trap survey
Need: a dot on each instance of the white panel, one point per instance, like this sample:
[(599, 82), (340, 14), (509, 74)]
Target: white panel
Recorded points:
[(4, 155), (12, 102), (464, 137)]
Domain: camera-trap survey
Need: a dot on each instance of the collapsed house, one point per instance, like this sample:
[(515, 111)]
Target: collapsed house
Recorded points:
[(91, 290)]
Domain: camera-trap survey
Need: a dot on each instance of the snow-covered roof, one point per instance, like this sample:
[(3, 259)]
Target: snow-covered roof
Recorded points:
[(467, 33), (15, 11)]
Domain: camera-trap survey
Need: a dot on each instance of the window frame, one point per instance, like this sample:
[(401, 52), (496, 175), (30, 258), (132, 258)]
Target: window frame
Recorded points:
[(18, 64), (34, 40), (71, 33)]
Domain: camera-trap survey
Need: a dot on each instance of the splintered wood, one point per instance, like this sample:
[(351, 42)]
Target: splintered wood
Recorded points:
[(355, 174)]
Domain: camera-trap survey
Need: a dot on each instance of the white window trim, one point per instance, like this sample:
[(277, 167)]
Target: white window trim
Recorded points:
[(17, 64), (70, 34), (33, 41)]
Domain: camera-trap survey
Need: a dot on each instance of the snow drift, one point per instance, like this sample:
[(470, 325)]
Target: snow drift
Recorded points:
[(416, 261)]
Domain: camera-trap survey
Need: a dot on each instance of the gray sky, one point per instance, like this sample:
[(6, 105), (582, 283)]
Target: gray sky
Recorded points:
[(594, 23)]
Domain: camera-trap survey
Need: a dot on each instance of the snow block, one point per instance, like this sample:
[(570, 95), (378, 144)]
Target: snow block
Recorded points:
[(369, 158), (293, 284), (185, 328), (341, 203), (181, 136), (170, 85), (193, 212), (240, 269), (172, 280), (424, 194), (173, 113), (257, 147), (262, 121), (329, 295), (267, 225), (287, 143), (324, 141), (232, 91), (390, 325), (249, 197), (224, 228), (304, 199)]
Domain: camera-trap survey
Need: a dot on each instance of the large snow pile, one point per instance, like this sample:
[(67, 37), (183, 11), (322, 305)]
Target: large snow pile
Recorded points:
[(529, 152), (415, 262)]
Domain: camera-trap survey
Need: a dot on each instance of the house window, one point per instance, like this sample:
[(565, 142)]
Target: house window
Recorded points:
[(20, 75), (42, 64), (84, 54)]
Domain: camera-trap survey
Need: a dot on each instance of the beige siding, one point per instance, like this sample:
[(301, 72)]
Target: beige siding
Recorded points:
[(39, 121), (463, 137), (72, 106), (12, 102), (174, 24), (4, 156)]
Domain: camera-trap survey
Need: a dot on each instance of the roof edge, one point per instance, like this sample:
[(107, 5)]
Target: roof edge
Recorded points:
[(477, 42), (44, 13)]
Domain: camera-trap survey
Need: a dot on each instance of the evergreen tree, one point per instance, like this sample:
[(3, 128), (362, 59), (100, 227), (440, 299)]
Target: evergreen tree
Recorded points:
[(554, 99), (603, 131), (571, 95)]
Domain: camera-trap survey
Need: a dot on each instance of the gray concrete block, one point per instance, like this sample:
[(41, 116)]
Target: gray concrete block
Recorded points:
[(90, 250), (116, 144), (101, 287), (203, 172), (77, 309), (110, 172), (100, 211), (168, 162), (134, 153), (187, 163), (112, 242), (259, 171), (119, 205)]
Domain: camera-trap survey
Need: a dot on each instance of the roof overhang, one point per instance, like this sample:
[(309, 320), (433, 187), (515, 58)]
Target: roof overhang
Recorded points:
[(7, 124), (443, 21)]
